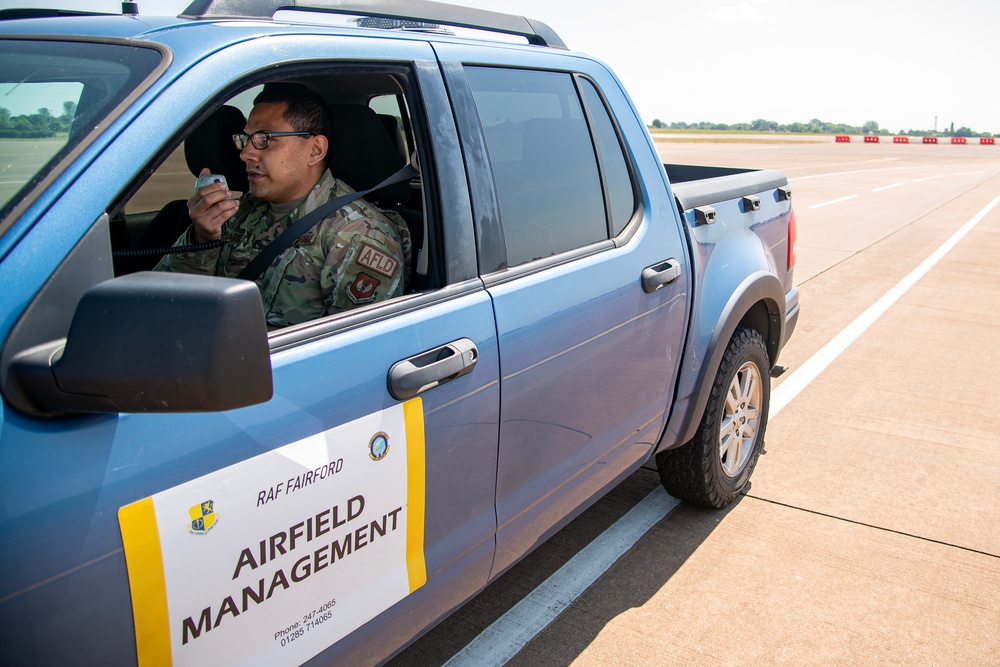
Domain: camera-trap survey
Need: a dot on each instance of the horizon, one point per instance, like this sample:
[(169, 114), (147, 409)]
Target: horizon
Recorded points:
[(848, 129), (901, 63)]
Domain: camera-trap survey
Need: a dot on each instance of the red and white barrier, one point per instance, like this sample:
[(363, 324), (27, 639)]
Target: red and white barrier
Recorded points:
[(958, 141)]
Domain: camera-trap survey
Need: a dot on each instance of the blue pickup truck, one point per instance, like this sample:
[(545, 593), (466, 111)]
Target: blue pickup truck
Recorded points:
[(182, 484)]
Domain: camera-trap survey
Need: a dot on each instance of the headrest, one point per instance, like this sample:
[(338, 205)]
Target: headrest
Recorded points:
[(211, 145), (391, 125), (362, 154)]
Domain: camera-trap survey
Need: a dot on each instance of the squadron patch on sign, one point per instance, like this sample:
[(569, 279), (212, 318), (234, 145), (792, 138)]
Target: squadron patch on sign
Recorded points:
[(203, 517), (378, 446)]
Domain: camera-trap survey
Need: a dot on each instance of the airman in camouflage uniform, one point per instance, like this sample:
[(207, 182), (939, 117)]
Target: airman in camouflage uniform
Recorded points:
[(355, 256)]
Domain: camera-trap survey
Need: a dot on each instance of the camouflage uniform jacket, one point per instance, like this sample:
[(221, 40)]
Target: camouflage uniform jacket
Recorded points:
[(357, 255)]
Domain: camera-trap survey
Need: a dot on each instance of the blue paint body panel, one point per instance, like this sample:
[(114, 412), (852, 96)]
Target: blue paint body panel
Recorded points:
[(581, 375)]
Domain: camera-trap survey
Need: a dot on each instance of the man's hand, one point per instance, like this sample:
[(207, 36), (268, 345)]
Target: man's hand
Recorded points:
[(209, 208)]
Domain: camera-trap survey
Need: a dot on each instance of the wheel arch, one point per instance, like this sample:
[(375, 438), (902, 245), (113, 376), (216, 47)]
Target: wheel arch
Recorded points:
[(756, 304)]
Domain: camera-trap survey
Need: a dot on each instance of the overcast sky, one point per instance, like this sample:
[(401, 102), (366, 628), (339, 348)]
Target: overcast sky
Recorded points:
[(900, 63)]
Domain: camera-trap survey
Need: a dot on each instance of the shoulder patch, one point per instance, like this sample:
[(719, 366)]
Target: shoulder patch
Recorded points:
[(376, 260), (363, 289)]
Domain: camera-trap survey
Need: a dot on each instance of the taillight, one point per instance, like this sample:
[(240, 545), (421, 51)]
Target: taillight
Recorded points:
[(791, 239)]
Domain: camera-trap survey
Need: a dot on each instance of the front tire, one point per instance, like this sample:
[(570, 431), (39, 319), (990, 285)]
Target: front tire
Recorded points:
[(715, 466)]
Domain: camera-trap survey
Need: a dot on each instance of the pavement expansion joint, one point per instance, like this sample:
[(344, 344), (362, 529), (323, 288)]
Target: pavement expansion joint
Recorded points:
[(874, 527)]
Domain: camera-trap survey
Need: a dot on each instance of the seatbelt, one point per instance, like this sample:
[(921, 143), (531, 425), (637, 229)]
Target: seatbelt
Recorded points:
[(266, 256)]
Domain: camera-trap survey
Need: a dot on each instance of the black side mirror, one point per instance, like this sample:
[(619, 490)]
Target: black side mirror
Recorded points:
[(153, 342)]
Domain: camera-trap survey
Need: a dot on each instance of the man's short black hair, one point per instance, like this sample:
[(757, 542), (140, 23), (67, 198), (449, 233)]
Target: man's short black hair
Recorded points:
[(306, 111)]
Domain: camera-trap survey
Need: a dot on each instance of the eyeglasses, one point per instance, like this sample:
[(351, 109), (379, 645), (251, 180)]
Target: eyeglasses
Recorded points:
[(261, 139)]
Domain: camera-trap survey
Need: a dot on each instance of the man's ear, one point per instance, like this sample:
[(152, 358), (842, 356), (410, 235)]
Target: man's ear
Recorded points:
[(320, 145)]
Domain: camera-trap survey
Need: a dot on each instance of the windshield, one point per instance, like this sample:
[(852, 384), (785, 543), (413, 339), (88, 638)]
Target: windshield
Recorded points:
[(52, 94)]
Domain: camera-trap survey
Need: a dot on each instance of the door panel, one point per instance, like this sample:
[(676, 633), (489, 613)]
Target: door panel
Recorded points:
[(588, 361), (588, 357), (65, 481)]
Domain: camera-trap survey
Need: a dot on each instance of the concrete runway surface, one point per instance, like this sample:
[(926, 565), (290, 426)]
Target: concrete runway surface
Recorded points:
[(871, 531)]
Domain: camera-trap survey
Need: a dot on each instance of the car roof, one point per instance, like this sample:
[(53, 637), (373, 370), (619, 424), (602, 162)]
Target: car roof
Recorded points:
[(84, 25)]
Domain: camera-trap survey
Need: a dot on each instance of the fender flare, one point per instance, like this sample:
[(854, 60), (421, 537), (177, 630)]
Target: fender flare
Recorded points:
[(759, 287)]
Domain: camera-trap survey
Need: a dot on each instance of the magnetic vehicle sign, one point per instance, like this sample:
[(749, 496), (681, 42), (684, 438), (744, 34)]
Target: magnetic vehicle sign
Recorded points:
[(275, 558)]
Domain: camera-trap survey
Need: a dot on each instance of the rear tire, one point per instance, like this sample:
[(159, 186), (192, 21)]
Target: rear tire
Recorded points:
[(715, 466)]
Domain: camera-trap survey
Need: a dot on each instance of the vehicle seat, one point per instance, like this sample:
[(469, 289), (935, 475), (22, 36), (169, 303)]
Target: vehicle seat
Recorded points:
[(363, 154), (210, 145)]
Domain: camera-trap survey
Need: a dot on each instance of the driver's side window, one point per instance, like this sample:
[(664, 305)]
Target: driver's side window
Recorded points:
[(371, 138)]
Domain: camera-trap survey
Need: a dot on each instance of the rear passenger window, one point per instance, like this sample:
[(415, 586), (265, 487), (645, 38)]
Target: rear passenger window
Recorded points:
[(544, 162)]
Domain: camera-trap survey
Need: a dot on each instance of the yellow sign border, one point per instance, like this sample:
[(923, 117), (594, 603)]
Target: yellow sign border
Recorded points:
[(416, 476), (147, 582)]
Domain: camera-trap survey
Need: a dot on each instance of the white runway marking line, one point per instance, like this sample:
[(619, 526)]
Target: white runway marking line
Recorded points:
[(795, 179), (502, 640), (887, 187), (929, 178), (511, 632), (835, 201), (816, 364)]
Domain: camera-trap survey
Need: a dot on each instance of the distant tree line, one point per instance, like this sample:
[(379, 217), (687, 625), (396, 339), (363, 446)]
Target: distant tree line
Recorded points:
[(816, 126), (38, 125)]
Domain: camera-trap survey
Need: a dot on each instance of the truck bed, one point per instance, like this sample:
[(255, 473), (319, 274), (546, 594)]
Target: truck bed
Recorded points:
[(696, 185)]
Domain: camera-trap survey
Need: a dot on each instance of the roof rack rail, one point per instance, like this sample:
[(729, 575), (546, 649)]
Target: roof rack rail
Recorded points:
[(535, 32)]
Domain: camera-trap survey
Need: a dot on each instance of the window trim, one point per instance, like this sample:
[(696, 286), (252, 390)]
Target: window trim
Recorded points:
[(509, 274), (629, 228), (588, 117), (293, 336), (406, 73), (459, 85)]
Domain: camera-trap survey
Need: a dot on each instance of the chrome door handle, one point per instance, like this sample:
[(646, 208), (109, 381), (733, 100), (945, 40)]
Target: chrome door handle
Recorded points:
[(658, 275), (415, 375)]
